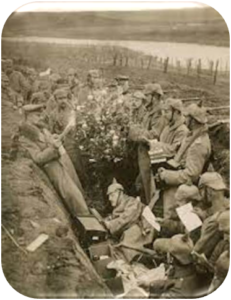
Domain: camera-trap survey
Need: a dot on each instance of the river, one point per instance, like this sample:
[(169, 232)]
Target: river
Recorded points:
[(175, 51)]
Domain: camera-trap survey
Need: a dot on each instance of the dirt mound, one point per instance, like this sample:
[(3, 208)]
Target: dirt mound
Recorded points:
[(30, 207)]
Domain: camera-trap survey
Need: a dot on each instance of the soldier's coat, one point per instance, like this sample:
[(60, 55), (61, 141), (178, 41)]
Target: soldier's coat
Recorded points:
[(172, 136), (48, 158), (193, 161)]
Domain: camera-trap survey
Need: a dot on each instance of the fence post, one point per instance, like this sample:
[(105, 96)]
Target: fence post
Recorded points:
[(149, 62), (211, 65), (166, 65), (216, 71), (178, 66), (189, 65), (199, 68)]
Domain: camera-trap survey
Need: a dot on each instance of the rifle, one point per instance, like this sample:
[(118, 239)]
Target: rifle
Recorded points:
[(208, 109), (220, 122)]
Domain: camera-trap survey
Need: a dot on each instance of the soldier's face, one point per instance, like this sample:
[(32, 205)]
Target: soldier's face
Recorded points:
[(113, 198), (148, 99), (125, 86), (9, 70), (71, 78), (61, 100), (168, 114), (34, 118), (5, 84)]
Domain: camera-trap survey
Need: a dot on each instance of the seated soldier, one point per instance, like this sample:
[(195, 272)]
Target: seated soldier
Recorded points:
[(184, 194), (170, 138), (191, 159), (126, 222), (183, 281), (51, 157), (212, 189), (219, 259)]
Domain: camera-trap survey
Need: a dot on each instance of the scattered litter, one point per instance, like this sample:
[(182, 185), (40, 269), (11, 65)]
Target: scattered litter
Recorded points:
[(56, 220), (37, 242), (13, 239), (34, 224)]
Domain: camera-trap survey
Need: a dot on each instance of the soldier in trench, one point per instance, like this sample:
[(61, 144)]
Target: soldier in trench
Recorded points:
[(49, 154)]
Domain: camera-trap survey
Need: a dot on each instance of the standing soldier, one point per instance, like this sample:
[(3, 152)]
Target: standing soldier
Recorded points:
[(153, 119), (18, 83), (62, 123), (50, 156), (73, 82), (7, 93), (92, 95)]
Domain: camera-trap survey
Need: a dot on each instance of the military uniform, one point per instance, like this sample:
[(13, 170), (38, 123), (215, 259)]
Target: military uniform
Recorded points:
[(59, 118), (18, 83), (172, 136), (193, 161), (183, 280), (127, 224), (45, 155)]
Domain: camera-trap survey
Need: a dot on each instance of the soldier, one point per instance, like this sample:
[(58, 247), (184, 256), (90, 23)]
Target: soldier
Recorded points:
[(175, 131), (138, 108), (170, 140), (194, 152), (51, 157), (92, 95), (212, 189), (219, 259), (73, 82), (183, 280), (191, 159), (126, 223), (153, 119), (184, 194), (17, 83), (34, 84), (62, 123), (7, 93)]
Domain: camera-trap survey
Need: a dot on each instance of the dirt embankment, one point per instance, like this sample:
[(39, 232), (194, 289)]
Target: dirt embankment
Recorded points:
[(30, 206)]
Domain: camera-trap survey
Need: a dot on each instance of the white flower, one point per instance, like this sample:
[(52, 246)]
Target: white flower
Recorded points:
[(92, 160), (90, 97), (81, 147), (117, 159), (112, 132), (84, 125)]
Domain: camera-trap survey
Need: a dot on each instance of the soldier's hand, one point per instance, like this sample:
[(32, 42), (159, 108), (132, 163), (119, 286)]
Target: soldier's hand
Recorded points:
[(161, 173), (143, 140), (57, 142)]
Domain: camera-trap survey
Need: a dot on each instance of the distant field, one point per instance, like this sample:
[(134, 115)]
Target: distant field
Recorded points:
[(202, 26)]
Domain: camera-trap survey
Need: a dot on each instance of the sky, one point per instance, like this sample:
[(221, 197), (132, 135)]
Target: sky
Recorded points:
[(90, 6)]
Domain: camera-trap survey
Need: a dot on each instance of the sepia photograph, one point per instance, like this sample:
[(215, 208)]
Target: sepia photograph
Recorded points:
[(115, 150)]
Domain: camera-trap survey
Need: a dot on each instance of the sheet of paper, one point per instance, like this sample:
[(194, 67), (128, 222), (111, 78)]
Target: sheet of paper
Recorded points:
[(190, 220), (150, 218), (37, 242)]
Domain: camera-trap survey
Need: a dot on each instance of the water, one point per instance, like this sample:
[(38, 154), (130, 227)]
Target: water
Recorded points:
[(175, 51)]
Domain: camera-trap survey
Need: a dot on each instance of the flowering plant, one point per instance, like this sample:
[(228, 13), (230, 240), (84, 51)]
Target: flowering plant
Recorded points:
[(102, 134)]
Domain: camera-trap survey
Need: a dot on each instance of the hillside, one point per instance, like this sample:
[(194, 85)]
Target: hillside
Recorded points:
[(200, 25)]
